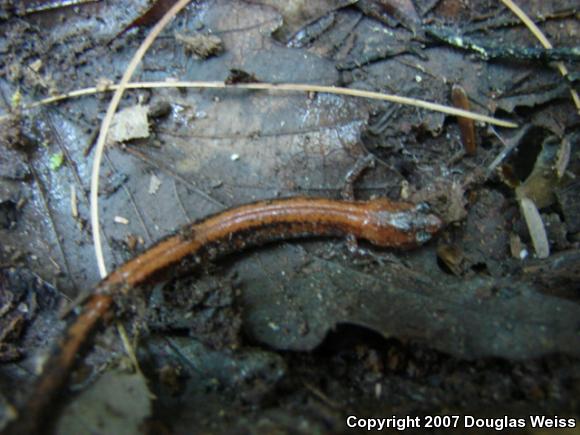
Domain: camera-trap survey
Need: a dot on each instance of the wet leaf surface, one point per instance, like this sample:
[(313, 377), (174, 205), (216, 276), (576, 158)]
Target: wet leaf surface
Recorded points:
[(469, 318), (118, 402)]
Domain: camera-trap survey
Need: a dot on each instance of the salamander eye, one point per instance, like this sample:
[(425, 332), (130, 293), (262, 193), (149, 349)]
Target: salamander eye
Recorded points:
[(422, 207), (422, 236)]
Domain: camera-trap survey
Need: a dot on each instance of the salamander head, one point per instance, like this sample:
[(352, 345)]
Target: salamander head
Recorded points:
[(406, 227)]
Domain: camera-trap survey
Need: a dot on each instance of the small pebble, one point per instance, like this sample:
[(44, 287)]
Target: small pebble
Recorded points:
[(121, 220)]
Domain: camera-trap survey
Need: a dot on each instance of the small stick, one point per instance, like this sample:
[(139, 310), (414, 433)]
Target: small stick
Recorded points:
[(287, 87), (466, 126)]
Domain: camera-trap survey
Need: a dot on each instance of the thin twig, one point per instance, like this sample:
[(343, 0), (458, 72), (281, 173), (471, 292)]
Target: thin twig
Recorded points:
[(507, 149), (100, 145), (48, 6), (322, 396), (288, 87), (129, 348)]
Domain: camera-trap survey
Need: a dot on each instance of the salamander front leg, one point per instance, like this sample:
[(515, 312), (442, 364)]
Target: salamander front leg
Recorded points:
[(363, 255), (361, 165)]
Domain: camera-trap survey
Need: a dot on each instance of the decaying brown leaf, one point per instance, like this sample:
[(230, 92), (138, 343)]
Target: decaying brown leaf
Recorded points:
[(540, 184), (517, 248), (201, 45), (391, 12), (466, 126), (449, 314), (130, 123), (118, 402), (298, 13), (563, 157), (567, 197), (535, 227), (452, 256)]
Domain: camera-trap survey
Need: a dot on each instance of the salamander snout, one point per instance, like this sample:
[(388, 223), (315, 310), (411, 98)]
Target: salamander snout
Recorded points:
[(409, 227)]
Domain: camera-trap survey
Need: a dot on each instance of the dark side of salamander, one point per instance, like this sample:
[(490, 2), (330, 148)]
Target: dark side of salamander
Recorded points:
[(240, 240), (403, 229)]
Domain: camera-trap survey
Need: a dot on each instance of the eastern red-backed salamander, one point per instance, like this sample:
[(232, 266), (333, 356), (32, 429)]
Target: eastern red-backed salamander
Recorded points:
[(382, 222)]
